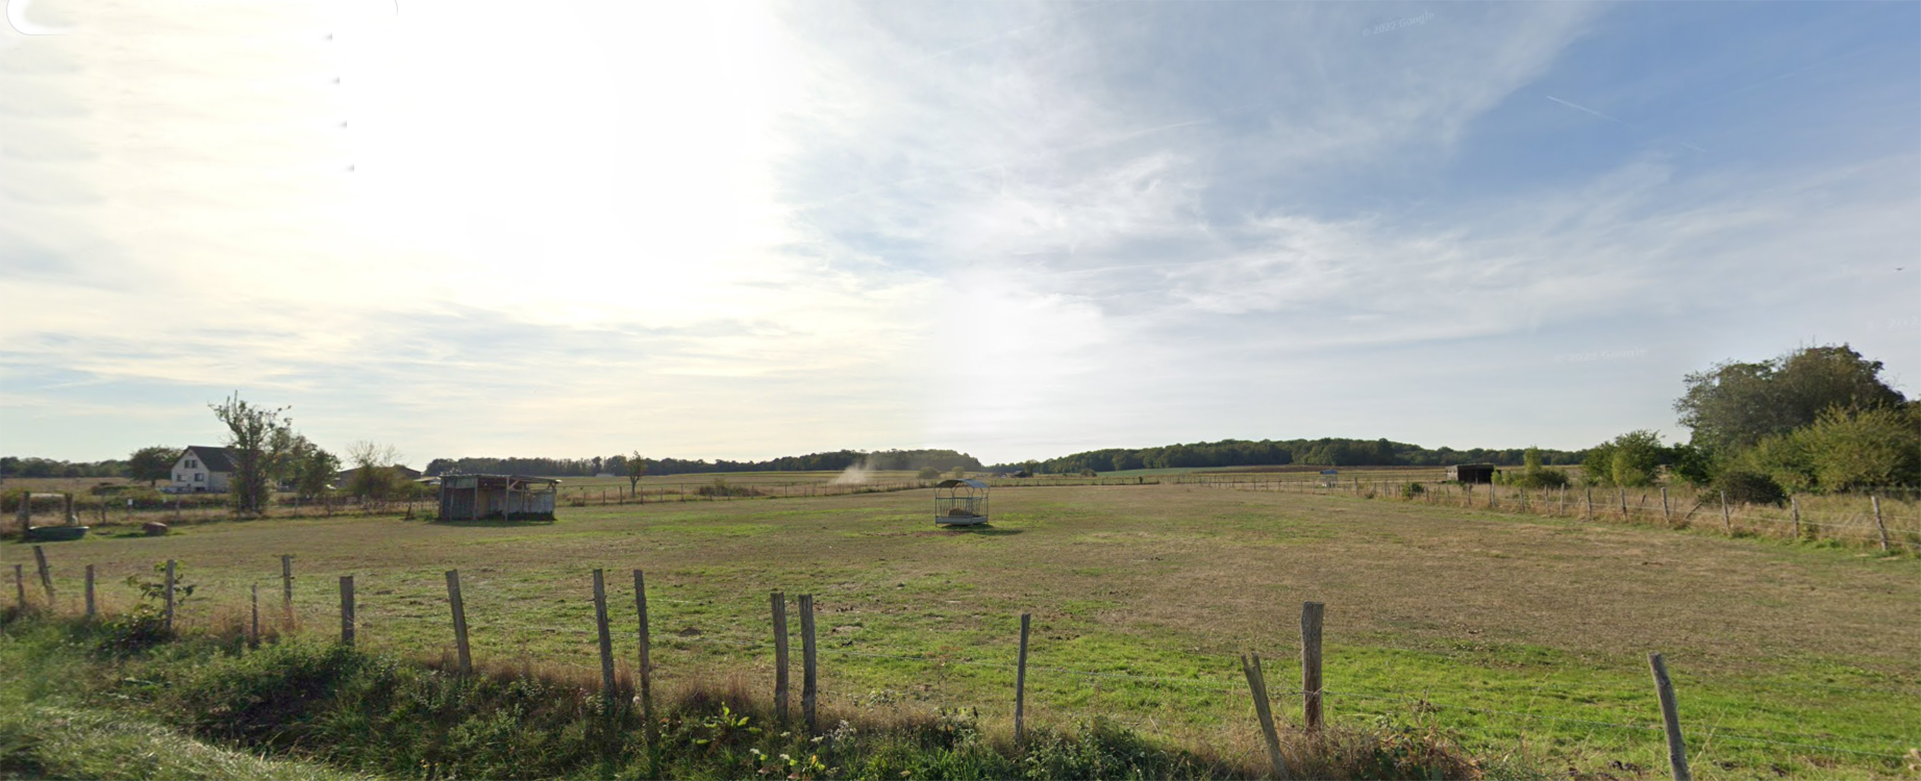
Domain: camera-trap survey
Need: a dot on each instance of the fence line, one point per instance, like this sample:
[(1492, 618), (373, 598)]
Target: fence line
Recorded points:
[(1550, 502), (1203, 681)]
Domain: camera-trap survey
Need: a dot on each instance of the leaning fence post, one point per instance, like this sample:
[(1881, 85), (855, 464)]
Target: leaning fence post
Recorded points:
[(1257, 686), (646, 661), (46, 572), (286, 586), (1882, 527), (347, 610), (808, 682), (170, 585), (1670, 719), (1020, 686), (608, 689), (1624, 504), (460, 622), (1590, 503), (1727, 522), (92, 610), (1665, 514), (777, 601), (1311, 613), (1795, 505)]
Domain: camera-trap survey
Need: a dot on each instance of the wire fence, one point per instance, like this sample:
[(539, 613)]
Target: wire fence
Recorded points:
[(1215, 676), (1858, 519)]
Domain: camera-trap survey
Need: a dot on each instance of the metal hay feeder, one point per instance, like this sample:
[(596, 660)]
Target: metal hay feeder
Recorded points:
[(960, 502)]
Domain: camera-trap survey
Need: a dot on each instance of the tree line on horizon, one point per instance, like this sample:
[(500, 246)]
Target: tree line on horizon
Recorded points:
[(834, 461), (1326, 451), (1816, 419)]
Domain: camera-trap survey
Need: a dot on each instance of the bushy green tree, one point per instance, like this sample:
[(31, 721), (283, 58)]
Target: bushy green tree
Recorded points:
[(314, 469), (927, 473), (1735, 405), (1783, 458), (1863, 449), (152, 464), (1631, 459), (252, 433)]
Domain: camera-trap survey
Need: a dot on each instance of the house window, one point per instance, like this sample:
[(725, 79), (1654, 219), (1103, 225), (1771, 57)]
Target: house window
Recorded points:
[(199, 478), (192, 464)]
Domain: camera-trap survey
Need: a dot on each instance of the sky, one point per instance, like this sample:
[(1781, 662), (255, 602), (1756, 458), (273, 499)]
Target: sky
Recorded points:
[(1016, 229)]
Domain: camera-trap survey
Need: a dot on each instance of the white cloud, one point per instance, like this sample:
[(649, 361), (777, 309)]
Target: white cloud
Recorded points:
[(742, 229)]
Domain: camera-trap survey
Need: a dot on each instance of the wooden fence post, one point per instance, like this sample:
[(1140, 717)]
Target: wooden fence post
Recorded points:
[(20, 586), (93, 610), (646, 662), (254, 635), (1311, 614), (1590, 503), (1882, 527), (1020, 686), (1727, 522), (808, 682), (286, 586), (169, 586), (1795, 506), (1666, 515), (608, 689), (777, 601), (46, 572), (1624, 503), (460, 622), (1671, 719), (347, 610), (1257, 686)]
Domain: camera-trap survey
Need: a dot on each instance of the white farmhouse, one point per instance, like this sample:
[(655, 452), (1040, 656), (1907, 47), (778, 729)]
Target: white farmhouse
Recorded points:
[(202, 469)]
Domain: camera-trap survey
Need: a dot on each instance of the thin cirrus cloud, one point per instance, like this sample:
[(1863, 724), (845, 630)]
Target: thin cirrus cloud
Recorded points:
[(747, 229)]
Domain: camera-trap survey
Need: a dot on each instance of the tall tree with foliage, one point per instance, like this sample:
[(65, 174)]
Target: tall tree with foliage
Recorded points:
[(1735, 405), (152, 464), (252, 432), (314, 469)]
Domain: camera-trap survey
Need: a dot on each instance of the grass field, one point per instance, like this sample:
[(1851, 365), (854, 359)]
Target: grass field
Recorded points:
[(1523, 635)]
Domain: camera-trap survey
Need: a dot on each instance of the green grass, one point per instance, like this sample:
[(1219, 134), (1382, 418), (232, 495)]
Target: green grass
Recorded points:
[(377, 714), (1526, 636)]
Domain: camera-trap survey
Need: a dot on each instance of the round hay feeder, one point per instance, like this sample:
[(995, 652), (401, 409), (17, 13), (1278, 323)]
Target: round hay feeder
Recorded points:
[(960, 502)]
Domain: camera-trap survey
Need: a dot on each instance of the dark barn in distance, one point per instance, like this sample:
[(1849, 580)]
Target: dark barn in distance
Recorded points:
[(509, 497), (1471, 473)]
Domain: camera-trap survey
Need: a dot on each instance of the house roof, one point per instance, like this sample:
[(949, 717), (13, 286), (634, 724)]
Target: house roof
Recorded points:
[(216, 459), (401, 470)]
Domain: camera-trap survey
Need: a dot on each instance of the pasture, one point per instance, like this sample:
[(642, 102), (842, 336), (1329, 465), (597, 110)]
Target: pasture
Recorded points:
[(1524, 636)]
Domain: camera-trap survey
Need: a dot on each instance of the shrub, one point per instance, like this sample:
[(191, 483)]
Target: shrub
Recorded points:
[(1533, 474), (1413, 491), (1869, 448), (1750, 487), (927, 473)]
